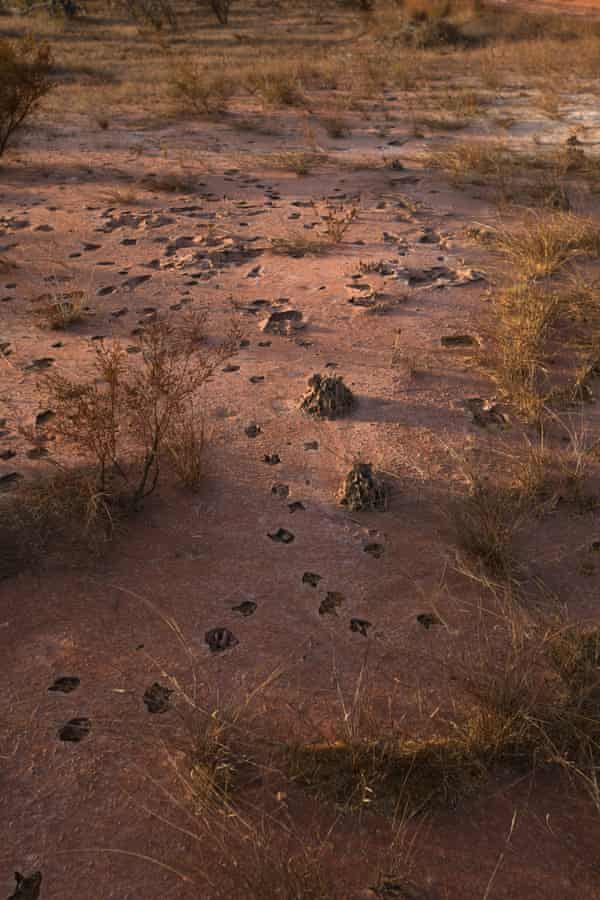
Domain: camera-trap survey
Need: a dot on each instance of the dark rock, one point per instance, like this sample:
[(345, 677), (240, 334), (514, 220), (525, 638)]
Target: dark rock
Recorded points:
[(428, 619), (245, 608), (374, 550)]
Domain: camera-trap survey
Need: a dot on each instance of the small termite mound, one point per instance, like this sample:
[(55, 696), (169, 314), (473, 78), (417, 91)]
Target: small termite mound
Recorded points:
[(362, 491), (327, 397)]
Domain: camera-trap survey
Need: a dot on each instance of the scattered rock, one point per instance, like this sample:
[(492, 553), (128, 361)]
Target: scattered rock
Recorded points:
[(330, 603), (256, 379), (252, 430), (220, 639), (361, 626), (361, 490), (311, 445), (75, 730), (156, 698), (281, 536), (296, 506), (44, 416), (327, 397), (272, 459), (65, 684), (27, 886), (230, 368), (280, 490)]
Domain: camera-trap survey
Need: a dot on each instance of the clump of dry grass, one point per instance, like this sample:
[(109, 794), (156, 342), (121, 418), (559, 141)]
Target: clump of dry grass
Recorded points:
[(61, 310), (548, 243), (533, 702)]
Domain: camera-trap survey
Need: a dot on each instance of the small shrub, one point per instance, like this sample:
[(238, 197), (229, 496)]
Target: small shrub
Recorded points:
[(336, 218), (24, 79), (203, 88), (136, 407)]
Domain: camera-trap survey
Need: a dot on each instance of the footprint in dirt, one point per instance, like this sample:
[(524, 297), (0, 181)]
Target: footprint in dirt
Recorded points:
[(360, 626), (281, 536), (75, 730), (330, 603), (245, 608), (65, 684), (27, 886), (220, 639), (427, 620), (156, 698), (311, 578)]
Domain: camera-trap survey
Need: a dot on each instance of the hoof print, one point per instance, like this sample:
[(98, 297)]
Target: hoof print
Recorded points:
[(156, 698), (360, 626), (220, 639), (330, 603), (75, 730), (281, 536), (311, 578), (245, 608), (27, 886), (65, 684), (374, 550)]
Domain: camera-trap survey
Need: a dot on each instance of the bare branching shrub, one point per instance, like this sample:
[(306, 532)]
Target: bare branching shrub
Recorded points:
[(136, 406), (25, 68), (336, 218)]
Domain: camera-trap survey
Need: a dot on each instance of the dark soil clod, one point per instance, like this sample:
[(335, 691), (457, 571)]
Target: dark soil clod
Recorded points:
[(361, 490), (75, 730), (156, 698), (327, 397), (65, 684), (28, 887), (220, 639)]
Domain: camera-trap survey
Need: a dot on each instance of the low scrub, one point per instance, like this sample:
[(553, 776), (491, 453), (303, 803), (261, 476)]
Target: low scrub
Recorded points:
[(25, 70)]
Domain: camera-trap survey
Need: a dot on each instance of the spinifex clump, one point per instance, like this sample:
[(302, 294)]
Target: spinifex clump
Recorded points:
[(327, 397)]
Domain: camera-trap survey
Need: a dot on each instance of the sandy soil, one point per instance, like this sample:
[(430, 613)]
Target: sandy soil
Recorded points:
[(90, 814)]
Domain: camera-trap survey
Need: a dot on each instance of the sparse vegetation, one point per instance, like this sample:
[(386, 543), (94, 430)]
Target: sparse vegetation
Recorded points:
[(25, 78)]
